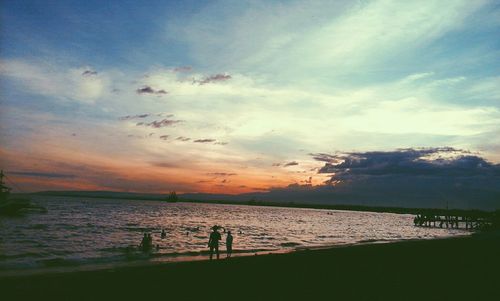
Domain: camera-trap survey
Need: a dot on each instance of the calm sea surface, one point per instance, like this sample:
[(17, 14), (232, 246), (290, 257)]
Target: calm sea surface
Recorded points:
[(80, 232)]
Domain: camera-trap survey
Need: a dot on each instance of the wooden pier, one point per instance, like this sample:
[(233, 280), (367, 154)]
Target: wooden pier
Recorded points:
[(454, 219)]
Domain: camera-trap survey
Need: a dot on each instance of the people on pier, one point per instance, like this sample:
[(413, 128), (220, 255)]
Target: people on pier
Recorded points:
[(163, 233)]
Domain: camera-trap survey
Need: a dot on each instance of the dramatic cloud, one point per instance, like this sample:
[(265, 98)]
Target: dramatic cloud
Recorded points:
[(149, 90), (276, 79), (427, 177), (429, 161)]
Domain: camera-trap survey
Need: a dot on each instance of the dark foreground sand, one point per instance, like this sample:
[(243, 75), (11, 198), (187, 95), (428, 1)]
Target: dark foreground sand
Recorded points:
[(449, 269)]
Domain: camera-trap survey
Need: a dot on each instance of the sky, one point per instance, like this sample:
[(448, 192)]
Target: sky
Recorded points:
[(244, 96)]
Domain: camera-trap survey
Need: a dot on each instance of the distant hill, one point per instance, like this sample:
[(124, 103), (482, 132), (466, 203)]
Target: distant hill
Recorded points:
[(307, 195)]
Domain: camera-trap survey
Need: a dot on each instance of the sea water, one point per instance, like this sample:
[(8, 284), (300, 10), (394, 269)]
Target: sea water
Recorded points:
[(78, 232)]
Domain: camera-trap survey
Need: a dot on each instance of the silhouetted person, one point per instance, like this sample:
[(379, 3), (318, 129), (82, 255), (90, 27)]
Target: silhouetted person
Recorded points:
[(163, 233), (213, 242), (229, 244), (146, 242)]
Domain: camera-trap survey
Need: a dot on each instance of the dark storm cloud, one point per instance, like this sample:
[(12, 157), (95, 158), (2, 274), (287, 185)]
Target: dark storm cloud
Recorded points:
[(429, 161), (204, 140), (424, 177), (149, 90), (89, 73), (214, 78), (42, 174)]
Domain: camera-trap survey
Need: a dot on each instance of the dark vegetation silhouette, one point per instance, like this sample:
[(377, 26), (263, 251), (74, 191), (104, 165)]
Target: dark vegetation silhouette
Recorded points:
[(172, 197)]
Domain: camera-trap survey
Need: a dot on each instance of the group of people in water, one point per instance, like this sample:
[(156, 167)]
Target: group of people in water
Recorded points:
[(213, 242), (147, 242)]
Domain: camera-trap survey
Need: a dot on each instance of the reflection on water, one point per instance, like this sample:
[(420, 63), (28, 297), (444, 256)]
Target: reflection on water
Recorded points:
[(79, 231)]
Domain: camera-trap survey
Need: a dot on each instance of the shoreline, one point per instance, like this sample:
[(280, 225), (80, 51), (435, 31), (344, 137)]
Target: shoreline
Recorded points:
[(449, 267), (202, 256)]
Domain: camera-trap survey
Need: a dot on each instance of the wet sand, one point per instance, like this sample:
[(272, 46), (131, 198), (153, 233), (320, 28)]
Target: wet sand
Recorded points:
[(447, 269)]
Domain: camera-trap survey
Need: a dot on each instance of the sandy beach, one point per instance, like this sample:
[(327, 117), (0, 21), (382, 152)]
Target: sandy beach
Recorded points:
[(446, 269)]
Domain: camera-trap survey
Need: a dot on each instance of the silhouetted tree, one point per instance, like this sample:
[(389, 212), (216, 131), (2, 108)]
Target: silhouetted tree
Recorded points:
[(172, 198)]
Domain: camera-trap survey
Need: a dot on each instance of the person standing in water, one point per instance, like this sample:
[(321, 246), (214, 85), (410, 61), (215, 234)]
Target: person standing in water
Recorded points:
[(229, 244), (213, 242), (147, 242)]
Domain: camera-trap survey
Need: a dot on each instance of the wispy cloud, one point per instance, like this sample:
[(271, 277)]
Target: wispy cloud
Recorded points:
[(182, 69), (221, 174), (128, 117), (42, 174), (214, 78), (204, 140), (160, 123), (149, 90), (89, 73)]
